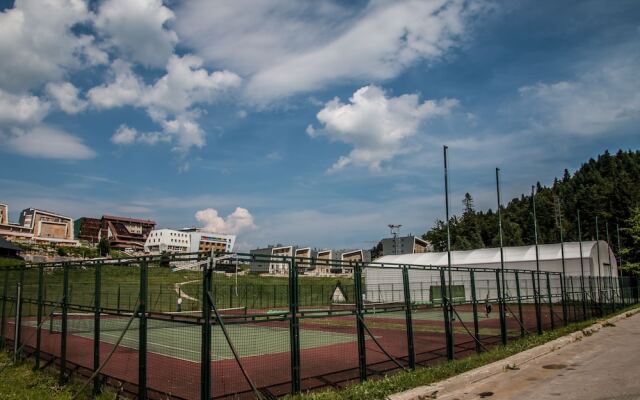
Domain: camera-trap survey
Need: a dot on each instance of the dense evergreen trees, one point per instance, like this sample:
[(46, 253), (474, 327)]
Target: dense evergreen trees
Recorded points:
[(608, 187)]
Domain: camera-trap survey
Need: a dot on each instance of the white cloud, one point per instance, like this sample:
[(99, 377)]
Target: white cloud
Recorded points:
[(288, 47), (65, 95), (126, 135), (237, 222), (37, 44), (186, 83), (171, 100), (123, 88), (46, 142), (138, 29), (603, 97), (376, 125), (21, 109)]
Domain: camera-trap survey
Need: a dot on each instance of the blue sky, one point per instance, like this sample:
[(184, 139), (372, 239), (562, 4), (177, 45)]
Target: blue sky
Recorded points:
[(308, 122)]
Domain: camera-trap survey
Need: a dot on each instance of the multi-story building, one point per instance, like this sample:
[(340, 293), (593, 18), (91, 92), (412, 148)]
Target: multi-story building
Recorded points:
[(404, 245), (202, 240), (37, 226), (87, 229), (187, 240), (123, 233), (126, 233), (314, 262)]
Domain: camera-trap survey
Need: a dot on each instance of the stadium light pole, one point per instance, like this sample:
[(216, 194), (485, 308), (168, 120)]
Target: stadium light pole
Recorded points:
[(599, 263), (564, 272), (503, 328), (535, 235), (584, 306), (446, 200)]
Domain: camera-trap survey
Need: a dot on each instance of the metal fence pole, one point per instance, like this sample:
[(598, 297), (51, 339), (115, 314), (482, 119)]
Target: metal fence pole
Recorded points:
[(503, 321), (362, 350), (18, 329), (97, 309), (536, 300), (205, 361), (408, 319), (3, 321), (62, 378), (39, 315), (142, 332), (522, 332), (474, 302), (563, 298), (294, 327), (444, 300), (549, 296)]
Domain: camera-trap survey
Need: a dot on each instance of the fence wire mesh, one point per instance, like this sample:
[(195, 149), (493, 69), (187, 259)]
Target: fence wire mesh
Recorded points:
[(194, 326)]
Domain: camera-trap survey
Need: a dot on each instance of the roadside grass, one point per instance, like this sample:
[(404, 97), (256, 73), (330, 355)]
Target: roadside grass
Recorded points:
[(401, 381), (21, 382)]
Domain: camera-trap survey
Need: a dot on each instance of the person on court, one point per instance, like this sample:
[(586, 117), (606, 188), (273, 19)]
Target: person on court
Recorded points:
[(487, 307)]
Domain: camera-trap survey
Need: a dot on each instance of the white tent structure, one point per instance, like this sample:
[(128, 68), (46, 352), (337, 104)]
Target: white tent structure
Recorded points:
[(385, 284)]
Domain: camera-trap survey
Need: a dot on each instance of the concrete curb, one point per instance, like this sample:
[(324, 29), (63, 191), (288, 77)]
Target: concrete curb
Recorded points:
[(457, 382)]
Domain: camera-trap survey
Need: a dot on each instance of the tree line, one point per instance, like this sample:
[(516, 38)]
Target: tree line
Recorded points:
[(607, 187)]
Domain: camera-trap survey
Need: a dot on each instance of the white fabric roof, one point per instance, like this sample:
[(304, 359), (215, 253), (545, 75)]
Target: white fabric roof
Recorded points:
[(492, 255)]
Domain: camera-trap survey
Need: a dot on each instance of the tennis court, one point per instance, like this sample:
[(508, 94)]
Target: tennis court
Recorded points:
[(182, 340)]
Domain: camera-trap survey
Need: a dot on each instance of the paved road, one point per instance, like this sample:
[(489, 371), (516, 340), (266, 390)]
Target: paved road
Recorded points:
[(605, 366)]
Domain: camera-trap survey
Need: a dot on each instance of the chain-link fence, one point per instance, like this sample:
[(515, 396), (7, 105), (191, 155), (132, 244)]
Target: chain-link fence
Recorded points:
[(188, 326)]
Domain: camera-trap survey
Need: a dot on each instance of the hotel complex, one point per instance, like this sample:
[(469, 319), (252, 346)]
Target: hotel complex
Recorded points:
[(189, 240), (37, 226)]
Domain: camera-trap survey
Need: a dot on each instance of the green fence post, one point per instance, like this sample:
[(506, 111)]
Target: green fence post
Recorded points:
[(142, 332), (519, 304), (294, 327), (3, 322), (205, 361), (563, 298), (362, 350), (97, 309), (503, 320), (62, 378), (621, 289), (536, 300), (550, 297), (474, 303), (118, 300), (39, 315), (444, 300), (19, 312), (408, 319), (573, 301)]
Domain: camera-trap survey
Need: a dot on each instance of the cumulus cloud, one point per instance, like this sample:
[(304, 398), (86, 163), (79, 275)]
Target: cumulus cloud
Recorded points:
[(287, 47), (126, 135), (171, 101), (376, 125), (240, 220), (37, 44), (46, 142), (21, 109), (66, 96), (603, 97), (138, 30)]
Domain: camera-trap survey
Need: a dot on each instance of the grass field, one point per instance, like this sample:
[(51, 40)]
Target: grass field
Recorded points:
[(120, 288)]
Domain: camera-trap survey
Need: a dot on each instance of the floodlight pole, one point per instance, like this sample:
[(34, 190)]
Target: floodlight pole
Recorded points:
[(584, 305), (503, 327), (599, 264), (613, 295), (564, 272), (535, 235), (447, 296)]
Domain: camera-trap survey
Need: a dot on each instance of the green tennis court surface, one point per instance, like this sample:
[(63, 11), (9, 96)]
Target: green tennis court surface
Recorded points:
[(183, 342)]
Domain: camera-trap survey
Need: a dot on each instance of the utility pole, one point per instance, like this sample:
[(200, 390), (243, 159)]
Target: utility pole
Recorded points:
[(503, 327), (447, 296), (535, 235), (395, 230)]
